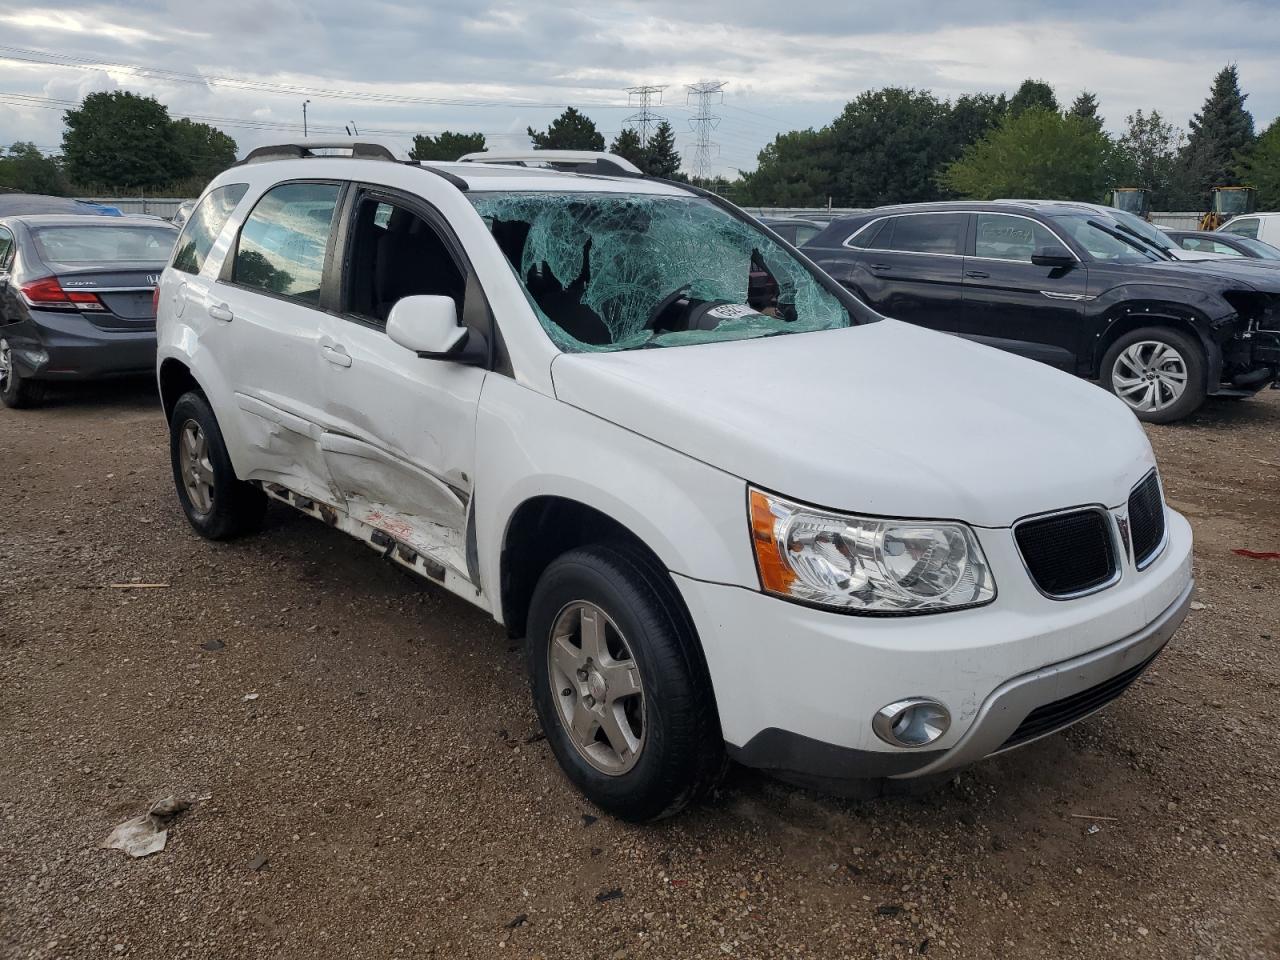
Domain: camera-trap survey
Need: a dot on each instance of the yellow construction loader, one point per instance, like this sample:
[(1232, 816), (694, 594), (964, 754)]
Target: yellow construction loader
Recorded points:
[(1228, 202), (1135, 200)]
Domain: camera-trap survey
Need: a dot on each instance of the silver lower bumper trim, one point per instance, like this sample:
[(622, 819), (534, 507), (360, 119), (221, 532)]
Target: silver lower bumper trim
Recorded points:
[(1011, 702)]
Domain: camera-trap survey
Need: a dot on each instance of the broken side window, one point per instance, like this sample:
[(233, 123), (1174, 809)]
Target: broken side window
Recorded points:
[(614, 271)]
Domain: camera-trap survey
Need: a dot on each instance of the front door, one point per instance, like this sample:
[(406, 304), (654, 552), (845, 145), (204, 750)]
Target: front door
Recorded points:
[(398, 432), (1013, 304)]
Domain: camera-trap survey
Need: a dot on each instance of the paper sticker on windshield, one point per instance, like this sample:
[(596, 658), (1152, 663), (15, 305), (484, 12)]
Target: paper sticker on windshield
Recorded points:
[(732, 311)]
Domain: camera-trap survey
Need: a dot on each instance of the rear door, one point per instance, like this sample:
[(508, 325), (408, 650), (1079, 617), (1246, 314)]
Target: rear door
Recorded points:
[(397, 430), (910, 267), (1013, 304), (267, 300)]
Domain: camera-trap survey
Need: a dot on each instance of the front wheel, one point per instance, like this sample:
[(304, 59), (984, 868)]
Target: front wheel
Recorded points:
[(1158, 371), (620, 685), (217, 503)]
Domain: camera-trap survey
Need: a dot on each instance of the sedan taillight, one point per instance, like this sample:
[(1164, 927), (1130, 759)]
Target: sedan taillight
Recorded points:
[(47, 294)]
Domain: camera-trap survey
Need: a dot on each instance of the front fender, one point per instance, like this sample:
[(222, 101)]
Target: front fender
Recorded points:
[(691, 515)]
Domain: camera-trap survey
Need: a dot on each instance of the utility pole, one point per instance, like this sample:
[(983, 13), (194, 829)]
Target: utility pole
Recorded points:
[(644, 97), (704, 94), (304, 118)]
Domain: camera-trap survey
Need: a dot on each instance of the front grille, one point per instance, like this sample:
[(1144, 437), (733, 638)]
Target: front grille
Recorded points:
[(1064, 712), (1068, 554), (1146, 519)]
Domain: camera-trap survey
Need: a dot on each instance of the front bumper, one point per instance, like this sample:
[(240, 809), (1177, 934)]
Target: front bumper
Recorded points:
[(64, 345), (797, 688)]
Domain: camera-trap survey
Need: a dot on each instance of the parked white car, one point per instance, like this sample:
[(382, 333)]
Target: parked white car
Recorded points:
[(733, 511), (1259, 226)]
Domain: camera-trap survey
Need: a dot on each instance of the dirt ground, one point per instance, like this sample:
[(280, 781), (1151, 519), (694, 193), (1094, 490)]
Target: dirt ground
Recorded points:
[(385, 793)]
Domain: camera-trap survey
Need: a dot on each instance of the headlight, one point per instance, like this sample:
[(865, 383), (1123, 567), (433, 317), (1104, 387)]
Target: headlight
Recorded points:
[(867, 565)]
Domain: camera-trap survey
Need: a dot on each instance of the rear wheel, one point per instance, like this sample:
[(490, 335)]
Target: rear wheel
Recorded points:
[(1158, 371), (620, 685), (16, 391), (217, 503)]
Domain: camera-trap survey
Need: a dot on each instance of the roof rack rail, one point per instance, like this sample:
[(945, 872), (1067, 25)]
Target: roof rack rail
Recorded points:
[(568, 161), (360, 150)]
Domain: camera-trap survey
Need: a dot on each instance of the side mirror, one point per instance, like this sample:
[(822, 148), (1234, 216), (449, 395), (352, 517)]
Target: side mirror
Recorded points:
[(428, 326), (1052, 257)]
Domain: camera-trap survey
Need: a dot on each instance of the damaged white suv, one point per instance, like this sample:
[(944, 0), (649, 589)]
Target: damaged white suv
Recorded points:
[(734, 512)]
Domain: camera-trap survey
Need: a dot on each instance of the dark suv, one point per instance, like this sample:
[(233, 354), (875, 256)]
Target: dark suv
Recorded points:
[(1071, 287)]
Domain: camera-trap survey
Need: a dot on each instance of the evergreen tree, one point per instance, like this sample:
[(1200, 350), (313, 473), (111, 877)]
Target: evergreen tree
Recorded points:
[(1085, 106), (208, 151), (1033, 93), (1220, 133), (569, 131), (661, 158), (628, 146), (1260, 167), (447, 146)]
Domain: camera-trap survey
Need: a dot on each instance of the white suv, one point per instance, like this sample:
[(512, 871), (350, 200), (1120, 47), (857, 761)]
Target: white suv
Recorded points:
[(733, 511)]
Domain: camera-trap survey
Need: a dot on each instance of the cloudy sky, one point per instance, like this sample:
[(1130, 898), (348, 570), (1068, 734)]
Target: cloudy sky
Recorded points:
[(396, 68)]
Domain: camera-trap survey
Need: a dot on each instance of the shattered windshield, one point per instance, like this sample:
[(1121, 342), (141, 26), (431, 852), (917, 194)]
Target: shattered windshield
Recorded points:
[(608, 271)]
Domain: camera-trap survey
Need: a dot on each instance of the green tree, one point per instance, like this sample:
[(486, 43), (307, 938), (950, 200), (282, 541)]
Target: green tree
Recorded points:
[(1039, 153), (121, 140), (569, 131), (27, 170), (628, 146), (972, 115), (888, 147), (661, 158), (1085, 106), (447, 146), (1147, 155), (1033, 94), (793, 171), (1220, 133), (1260, 167), (208, 151)]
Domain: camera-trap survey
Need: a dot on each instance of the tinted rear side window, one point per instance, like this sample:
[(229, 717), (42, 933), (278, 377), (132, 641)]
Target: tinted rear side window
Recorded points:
[(283, 242), (204, 225), (925, 233)]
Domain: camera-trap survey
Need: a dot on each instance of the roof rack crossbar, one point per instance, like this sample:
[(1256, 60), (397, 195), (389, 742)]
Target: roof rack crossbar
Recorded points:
[(307, 148)]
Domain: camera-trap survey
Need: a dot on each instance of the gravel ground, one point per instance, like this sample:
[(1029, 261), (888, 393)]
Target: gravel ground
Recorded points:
[(386, 794)]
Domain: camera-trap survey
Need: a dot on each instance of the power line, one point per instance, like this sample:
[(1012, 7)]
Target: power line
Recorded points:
[(703, 122), (48, 58), (645, 118)]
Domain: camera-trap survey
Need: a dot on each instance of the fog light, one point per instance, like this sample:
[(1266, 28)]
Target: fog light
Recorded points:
[(914, 722)]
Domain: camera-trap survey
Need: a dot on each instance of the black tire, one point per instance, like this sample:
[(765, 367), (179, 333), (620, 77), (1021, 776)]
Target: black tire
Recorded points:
[(1193, 358), (682, 756), (236, 507), (16, 391)]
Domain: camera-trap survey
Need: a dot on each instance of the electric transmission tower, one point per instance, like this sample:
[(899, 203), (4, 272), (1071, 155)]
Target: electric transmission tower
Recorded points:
[(645, 98), (704, 94)]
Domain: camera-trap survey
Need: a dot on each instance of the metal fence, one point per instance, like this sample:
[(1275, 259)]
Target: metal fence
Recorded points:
[(155, 206)]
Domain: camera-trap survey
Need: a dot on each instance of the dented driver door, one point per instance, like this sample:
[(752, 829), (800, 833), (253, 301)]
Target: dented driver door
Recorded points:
[(398, 431)]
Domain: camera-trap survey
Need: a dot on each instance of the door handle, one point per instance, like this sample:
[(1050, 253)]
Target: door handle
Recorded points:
[(221, 312), (879, 266), (336, 355), (976, 274)]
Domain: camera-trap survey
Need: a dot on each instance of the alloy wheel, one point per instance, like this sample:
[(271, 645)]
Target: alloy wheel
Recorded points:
[(1149, 375), (195, 466), (597, 688), (6, 365)]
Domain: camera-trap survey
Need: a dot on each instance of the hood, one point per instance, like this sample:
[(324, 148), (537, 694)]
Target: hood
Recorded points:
[(885, 419)]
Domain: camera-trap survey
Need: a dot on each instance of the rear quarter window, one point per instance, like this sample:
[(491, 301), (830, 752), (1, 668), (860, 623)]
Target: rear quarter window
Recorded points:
[(204, 225)]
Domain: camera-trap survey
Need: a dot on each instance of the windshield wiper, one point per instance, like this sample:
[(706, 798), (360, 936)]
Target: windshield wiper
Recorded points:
[(1163, 251), (1128, 241)]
